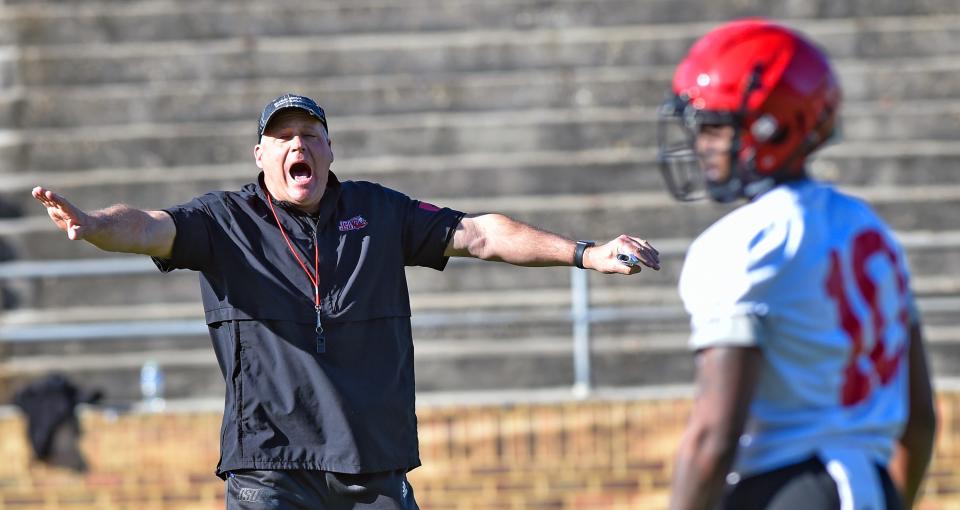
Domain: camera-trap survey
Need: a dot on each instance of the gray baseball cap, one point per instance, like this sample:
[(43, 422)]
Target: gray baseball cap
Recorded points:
[(290, 101)]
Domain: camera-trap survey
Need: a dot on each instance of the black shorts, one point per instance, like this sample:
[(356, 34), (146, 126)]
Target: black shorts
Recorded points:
[(312, 490), (803, 486)]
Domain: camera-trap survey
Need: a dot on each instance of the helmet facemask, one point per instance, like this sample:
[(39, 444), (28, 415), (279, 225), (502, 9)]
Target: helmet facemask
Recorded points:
[(676, 135), (682, 165)]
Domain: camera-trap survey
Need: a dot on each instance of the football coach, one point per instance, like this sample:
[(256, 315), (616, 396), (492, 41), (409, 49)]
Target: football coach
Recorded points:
[(305, 296)]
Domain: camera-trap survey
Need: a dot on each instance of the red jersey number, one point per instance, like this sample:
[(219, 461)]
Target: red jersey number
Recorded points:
[(857, 383)]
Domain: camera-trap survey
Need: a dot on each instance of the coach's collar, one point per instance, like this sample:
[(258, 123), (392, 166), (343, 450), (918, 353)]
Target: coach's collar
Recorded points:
[(328, 203)]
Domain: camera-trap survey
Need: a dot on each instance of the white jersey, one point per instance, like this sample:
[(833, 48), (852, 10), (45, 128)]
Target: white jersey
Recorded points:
[(817, 282)]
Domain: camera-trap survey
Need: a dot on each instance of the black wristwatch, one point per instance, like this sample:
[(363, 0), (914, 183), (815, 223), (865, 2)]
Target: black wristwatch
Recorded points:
[(578, 252)]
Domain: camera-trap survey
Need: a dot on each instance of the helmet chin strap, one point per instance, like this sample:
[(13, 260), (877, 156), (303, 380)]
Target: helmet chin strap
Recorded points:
[(759, 187), (741, 184), (727, 191)]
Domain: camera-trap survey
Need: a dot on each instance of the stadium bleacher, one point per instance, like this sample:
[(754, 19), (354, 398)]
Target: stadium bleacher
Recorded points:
[(543, 110)]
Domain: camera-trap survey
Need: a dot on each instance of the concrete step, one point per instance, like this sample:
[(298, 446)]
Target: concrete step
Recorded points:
[(53, 294), (471, 286), (163, 21), (461, 51), (861, 164), (483, 174), (193, 373), (452, 365), (33, 239), (542, 363), (237, 100), (45, 23), (475, 317), (459, 288), (604, 216), (479, 324), (170, 145), (654, 215), (445, 350), (104, 347), (464, 284)]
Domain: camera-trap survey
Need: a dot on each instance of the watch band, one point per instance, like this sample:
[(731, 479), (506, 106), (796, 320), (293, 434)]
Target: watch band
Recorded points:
[(578, 252)]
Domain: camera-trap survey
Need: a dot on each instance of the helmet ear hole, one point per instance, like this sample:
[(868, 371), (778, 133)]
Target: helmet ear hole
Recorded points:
[(765, 129), (780, 136)]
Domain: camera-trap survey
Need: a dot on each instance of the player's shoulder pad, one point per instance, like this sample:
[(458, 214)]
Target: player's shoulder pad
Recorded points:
[(740, 256)]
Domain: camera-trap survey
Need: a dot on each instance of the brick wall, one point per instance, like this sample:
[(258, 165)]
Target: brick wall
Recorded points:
[(570, 455)]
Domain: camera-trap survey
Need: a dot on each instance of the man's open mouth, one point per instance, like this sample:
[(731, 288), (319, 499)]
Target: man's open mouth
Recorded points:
[(300, 172)]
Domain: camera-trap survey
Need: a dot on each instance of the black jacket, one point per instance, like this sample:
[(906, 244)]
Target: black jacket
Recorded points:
[(350, 408)]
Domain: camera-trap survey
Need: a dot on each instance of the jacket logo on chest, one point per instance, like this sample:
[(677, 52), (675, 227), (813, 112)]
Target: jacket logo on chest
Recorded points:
[(355, 223)]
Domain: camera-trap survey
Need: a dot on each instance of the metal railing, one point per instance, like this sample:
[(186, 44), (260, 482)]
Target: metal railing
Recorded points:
[(581, 315)]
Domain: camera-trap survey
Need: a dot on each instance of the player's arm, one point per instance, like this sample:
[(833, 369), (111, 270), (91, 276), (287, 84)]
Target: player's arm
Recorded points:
[(118, 228), (726, 378), (914, 448), (499, 238)]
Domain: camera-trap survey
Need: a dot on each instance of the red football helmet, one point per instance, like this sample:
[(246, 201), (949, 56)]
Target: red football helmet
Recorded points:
[(774, 87)]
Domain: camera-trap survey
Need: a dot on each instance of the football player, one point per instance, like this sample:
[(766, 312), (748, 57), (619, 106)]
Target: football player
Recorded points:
[(812, 390)]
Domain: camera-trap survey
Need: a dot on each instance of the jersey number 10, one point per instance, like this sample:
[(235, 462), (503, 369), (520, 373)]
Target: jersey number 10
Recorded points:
[(857, 383)]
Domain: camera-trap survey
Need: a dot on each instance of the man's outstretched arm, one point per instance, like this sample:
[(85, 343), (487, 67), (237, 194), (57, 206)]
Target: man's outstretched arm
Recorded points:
[(118, 228), (499, 238)]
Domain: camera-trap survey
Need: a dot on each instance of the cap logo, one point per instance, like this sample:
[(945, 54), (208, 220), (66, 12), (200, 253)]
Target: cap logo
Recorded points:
[(287, 101)]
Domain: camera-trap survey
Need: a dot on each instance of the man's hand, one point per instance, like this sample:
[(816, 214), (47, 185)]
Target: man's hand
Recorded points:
[(118, 228), (603, 258), (65, 215)]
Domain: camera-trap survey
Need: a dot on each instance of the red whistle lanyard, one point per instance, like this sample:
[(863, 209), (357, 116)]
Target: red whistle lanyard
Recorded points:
[(314, 278)]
